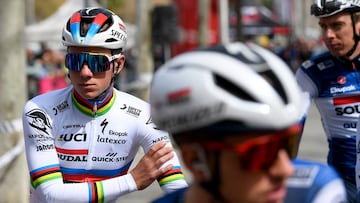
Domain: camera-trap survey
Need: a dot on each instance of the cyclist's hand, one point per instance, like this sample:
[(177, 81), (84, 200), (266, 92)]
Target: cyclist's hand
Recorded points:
[(148, 169)]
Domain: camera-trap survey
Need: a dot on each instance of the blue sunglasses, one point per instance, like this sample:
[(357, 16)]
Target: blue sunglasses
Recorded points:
[(96, 62)]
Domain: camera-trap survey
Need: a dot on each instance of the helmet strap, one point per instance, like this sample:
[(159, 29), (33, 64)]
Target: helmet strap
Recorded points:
[(212, 185), (356, 37), (102, 94), (113, 52)]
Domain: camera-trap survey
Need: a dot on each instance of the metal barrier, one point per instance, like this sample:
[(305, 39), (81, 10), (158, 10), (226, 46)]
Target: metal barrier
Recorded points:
[(7, 127)]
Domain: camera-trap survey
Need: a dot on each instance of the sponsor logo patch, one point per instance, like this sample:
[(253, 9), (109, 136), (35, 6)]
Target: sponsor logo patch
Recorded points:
[(39, 120)]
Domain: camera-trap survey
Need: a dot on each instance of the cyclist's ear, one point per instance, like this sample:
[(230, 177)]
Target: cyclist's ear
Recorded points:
[(119, 64), (195, 162)]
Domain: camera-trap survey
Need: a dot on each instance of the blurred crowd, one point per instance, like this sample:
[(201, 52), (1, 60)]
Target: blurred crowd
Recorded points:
[(294, 51), (46, 70), (299, 50)]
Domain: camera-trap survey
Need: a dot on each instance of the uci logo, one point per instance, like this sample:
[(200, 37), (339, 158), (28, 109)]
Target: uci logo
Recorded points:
[(77, 137)]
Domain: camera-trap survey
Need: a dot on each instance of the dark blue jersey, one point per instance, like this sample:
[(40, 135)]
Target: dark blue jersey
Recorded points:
[(334, 85)]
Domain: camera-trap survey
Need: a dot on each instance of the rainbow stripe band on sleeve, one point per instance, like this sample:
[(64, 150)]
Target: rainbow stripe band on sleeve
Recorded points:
[(44, 174), (96, 192), (172, 175)]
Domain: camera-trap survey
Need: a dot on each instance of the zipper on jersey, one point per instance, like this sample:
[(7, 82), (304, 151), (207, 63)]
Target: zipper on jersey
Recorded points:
[(92, 143), (94, 109)]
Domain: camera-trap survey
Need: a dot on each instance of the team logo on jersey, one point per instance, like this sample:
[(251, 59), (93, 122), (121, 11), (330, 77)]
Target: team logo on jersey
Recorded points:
[(40, 137), (116, 133), (347, 105), (303, 176), (110, 140), (131, 110), (73, 158), (44, 147), (321, 66), (68, 137), (334, 90), (61, 107), (104, 123), (73, 126), (341, 80), (39, 120), (306, 64), (163, 138), (326, 64), (109, 157)]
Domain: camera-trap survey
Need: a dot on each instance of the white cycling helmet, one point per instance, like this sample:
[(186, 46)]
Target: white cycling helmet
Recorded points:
[(324, 8), (96, 27), (236, 88)]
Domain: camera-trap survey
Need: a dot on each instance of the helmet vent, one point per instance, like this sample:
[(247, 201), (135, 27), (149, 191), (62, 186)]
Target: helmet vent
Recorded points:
[(84, 26), (111, 40), (86, 23), (231, 88), (274, 81)]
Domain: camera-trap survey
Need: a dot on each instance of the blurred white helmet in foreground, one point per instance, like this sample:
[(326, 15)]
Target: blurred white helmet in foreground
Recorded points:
[(236, 88)]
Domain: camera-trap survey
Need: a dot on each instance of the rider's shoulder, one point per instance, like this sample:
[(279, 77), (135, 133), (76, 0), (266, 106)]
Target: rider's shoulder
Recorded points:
[(324, 61), (314, 182), (310, 172), (125, 97), (51, 98)]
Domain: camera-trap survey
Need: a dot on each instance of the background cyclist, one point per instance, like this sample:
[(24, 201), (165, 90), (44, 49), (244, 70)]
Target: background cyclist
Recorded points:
[(332, 81), (235, 112)]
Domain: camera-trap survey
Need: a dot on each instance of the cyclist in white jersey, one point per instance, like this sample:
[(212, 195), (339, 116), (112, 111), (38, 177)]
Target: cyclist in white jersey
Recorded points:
[(332, 81), (235, 111), (81, 141)]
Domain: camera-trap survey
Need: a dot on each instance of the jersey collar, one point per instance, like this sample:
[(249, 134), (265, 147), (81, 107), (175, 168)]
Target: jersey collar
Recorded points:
[(93, 108)]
